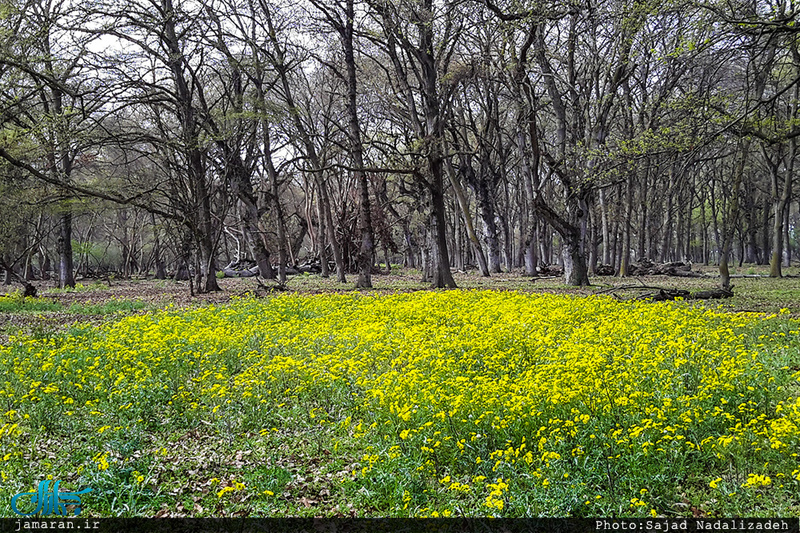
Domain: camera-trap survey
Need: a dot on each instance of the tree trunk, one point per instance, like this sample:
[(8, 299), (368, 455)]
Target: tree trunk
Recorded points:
[(464, 208), (325, 201), (411, 247), (625, 256), (575, 271), (367, 249), (729, 226), (442, 276), (666, 243), (161, 272), (66, 277), (607, 257), (277, 208), (781, 203), (641, 250), (487, 211), (207, 281), (27, 271)]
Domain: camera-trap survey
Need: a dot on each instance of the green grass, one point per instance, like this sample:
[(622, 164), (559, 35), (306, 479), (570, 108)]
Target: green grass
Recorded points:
[(108, 307), (16, 303)]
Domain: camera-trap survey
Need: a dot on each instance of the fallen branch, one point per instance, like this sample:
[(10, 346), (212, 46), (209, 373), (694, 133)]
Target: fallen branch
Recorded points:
[(713, 294), (30, 288), (277, 287), (661, 294)]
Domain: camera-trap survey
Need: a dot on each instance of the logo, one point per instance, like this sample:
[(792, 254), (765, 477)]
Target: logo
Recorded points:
[(48, 502)]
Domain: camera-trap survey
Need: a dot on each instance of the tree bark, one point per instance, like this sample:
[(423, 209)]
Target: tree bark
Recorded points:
[(367, 250), (161, 271), (465, 215), (66, 277)]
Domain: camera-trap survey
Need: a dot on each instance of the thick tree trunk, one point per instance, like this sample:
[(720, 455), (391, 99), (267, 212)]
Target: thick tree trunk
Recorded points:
[(777, 239), (765, 240), (207, 251), (207, 281), (729, 227), (575, 271), (411, 247), (508, 241), (66, 276), (488, 218), (277, 208), (781, 204), (442, 276), (366, 251), (592, 241), (532, 247)]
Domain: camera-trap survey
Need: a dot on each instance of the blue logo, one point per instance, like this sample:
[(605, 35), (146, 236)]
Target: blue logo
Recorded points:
[(50, 502)]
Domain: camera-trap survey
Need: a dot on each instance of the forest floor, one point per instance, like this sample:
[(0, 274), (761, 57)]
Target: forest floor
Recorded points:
[(515, 397), (96, 300)]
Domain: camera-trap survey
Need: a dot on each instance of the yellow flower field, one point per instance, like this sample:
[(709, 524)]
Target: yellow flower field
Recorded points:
[(449, 403)]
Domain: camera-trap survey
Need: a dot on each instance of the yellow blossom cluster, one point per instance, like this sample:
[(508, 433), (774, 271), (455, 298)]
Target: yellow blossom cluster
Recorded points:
[(541, 393)]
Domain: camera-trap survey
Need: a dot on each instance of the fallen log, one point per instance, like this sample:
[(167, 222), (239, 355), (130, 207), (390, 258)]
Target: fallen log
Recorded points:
[(645, 267), (604, 270), (230, 273), (30, 288), (715, 294), (686, 274), (664, 295), (661, 294), (551, 270)]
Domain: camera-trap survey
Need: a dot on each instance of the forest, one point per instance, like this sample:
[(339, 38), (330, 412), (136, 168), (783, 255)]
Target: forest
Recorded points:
[(186, 139)]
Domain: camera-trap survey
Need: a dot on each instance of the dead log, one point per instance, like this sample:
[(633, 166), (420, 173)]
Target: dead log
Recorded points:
[(604, 270), (551, 270), (277, 287), (661, 294), (664, 295), (30, 288), (645, 267), (687, 274), (715, 294), (230, 273)]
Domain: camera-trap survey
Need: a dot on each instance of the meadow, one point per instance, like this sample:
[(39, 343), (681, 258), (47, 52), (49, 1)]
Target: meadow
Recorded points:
[(430, 403)]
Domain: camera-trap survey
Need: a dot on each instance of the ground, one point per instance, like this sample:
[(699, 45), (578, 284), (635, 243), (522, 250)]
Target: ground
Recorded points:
[(165, 412), (754, 292)]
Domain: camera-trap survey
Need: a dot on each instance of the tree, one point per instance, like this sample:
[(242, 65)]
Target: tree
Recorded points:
[(49, 103), (340, 16), (417, 62)]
